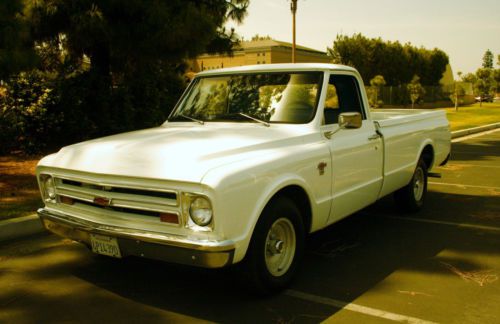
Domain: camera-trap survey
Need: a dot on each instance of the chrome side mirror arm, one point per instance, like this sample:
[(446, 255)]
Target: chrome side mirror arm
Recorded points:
[(346, 121)]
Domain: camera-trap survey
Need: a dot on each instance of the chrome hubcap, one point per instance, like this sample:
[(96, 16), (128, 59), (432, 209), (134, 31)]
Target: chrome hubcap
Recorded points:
[(280, 247), (418, 184)]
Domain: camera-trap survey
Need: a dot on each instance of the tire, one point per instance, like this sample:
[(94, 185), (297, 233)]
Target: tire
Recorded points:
[(411, 197), (276, 248)]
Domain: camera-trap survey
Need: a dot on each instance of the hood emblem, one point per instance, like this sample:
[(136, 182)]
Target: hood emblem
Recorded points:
[(321, 168), (102, 201)]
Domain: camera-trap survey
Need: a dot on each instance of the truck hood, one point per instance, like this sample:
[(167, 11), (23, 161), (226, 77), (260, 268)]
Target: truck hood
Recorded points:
[(174, 152)]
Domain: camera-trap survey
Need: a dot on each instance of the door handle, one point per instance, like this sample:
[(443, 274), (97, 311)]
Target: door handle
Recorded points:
[(374, 137)]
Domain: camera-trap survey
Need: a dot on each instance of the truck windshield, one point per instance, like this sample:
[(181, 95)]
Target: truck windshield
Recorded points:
[(267, 97)]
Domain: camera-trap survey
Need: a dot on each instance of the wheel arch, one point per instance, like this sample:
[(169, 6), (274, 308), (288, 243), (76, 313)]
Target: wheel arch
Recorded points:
[(427, 154), (299, 196)]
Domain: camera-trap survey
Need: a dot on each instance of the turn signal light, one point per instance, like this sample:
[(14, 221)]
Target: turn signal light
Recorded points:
[(169, 218)]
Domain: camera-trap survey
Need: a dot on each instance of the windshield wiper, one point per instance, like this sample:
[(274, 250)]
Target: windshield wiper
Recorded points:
[(255, 119), (201, 122)]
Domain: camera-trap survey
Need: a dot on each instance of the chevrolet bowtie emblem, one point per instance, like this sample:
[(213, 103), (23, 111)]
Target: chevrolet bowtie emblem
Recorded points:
[(102, 201), (321, 168)]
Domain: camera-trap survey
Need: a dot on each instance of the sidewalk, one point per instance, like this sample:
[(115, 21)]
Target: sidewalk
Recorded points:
[(19, 227), (29, 225), (474, 130)]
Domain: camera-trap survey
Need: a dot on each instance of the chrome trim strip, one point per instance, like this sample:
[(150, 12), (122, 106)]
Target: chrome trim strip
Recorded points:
[(80, 209), (145, 236)]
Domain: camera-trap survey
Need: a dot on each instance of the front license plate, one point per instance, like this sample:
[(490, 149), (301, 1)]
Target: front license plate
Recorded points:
[(105, 245)]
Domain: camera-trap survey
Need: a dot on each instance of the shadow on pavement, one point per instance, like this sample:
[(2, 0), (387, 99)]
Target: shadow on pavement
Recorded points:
[(477, 149), (342, 262)]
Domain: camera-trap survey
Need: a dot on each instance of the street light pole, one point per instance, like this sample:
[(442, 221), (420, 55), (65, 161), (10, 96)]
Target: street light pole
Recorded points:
[(293, 6)]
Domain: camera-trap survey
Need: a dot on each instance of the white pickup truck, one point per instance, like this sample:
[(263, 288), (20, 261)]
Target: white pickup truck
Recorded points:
[(251, 160)]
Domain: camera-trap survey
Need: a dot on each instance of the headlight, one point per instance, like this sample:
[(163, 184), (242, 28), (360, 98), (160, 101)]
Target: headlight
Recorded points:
[(48, 188), (200, 211)]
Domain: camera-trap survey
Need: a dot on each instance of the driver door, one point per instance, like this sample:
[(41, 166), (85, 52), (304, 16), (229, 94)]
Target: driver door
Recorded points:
[(357, 154)]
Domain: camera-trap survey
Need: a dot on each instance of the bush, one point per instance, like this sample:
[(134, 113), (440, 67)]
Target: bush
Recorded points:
[(40, 110), (26, 118)]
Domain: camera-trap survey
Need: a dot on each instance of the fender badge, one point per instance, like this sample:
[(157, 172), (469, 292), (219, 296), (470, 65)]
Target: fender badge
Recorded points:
[(321, 168), (102, 201)]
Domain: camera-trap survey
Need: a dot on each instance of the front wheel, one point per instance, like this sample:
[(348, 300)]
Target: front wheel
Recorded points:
[(411, 197), (276, 247)]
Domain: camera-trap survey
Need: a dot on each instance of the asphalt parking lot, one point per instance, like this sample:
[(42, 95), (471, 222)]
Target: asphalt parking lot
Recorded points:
[(440, 265)]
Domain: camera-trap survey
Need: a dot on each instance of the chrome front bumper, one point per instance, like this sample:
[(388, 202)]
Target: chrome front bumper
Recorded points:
[(152, 245)]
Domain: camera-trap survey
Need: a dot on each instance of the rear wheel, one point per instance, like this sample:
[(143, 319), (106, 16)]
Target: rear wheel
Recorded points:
[(276, 247), (411, 197)]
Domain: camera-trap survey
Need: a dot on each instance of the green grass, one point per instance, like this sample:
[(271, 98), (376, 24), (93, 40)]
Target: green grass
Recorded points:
[(473, 116)]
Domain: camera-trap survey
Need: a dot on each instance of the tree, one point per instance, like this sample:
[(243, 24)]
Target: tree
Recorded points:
[(135, 53), (376, 83), (488, 60), (122, 37), (458, 92), (257, 37), (416, 90), (469, 77), (16, 47), (396, 62), (437, 61), (105, 66), (484, 83), (496, 78)]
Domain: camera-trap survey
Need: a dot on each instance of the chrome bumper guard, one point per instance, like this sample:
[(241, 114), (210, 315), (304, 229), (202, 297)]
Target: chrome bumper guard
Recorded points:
[(151, 245)]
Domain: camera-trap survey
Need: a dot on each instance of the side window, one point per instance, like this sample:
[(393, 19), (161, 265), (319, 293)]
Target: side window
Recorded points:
[(342, 96), (332, 109)]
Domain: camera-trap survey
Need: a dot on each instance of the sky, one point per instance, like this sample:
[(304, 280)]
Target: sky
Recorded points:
[(462, 29)]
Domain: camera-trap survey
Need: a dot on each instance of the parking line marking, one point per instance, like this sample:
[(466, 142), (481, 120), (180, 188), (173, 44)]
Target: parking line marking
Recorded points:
[(356, 308), (462, 185), (430, 221)]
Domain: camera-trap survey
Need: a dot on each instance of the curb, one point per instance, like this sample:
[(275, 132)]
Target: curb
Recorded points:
[(29, 225), (20, 227), (474, 130)]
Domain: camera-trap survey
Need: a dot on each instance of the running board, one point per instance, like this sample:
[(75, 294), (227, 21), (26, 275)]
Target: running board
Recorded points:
[(434, 175)]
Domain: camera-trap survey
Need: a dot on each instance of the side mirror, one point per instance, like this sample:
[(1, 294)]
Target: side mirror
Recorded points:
[(350, 120)]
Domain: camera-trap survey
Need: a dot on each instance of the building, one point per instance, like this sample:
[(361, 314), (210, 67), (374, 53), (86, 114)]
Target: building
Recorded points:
[(262, 51)]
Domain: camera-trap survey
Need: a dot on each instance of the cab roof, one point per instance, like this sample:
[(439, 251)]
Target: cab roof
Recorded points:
[(286, 67)]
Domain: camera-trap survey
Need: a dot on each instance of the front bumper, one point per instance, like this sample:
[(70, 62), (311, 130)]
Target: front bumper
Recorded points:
[(152, 245)]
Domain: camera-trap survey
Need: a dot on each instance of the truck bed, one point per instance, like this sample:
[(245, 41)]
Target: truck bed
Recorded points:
[(393, 117), (405, 133)]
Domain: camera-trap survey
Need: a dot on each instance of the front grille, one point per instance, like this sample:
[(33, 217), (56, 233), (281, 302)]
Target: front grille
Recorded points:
[(119, 198), (141, 192)]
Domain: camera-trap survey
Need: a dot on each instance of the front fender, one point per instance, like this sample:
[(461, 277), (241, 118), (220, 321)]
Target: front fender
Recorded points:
[(242, 190)]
